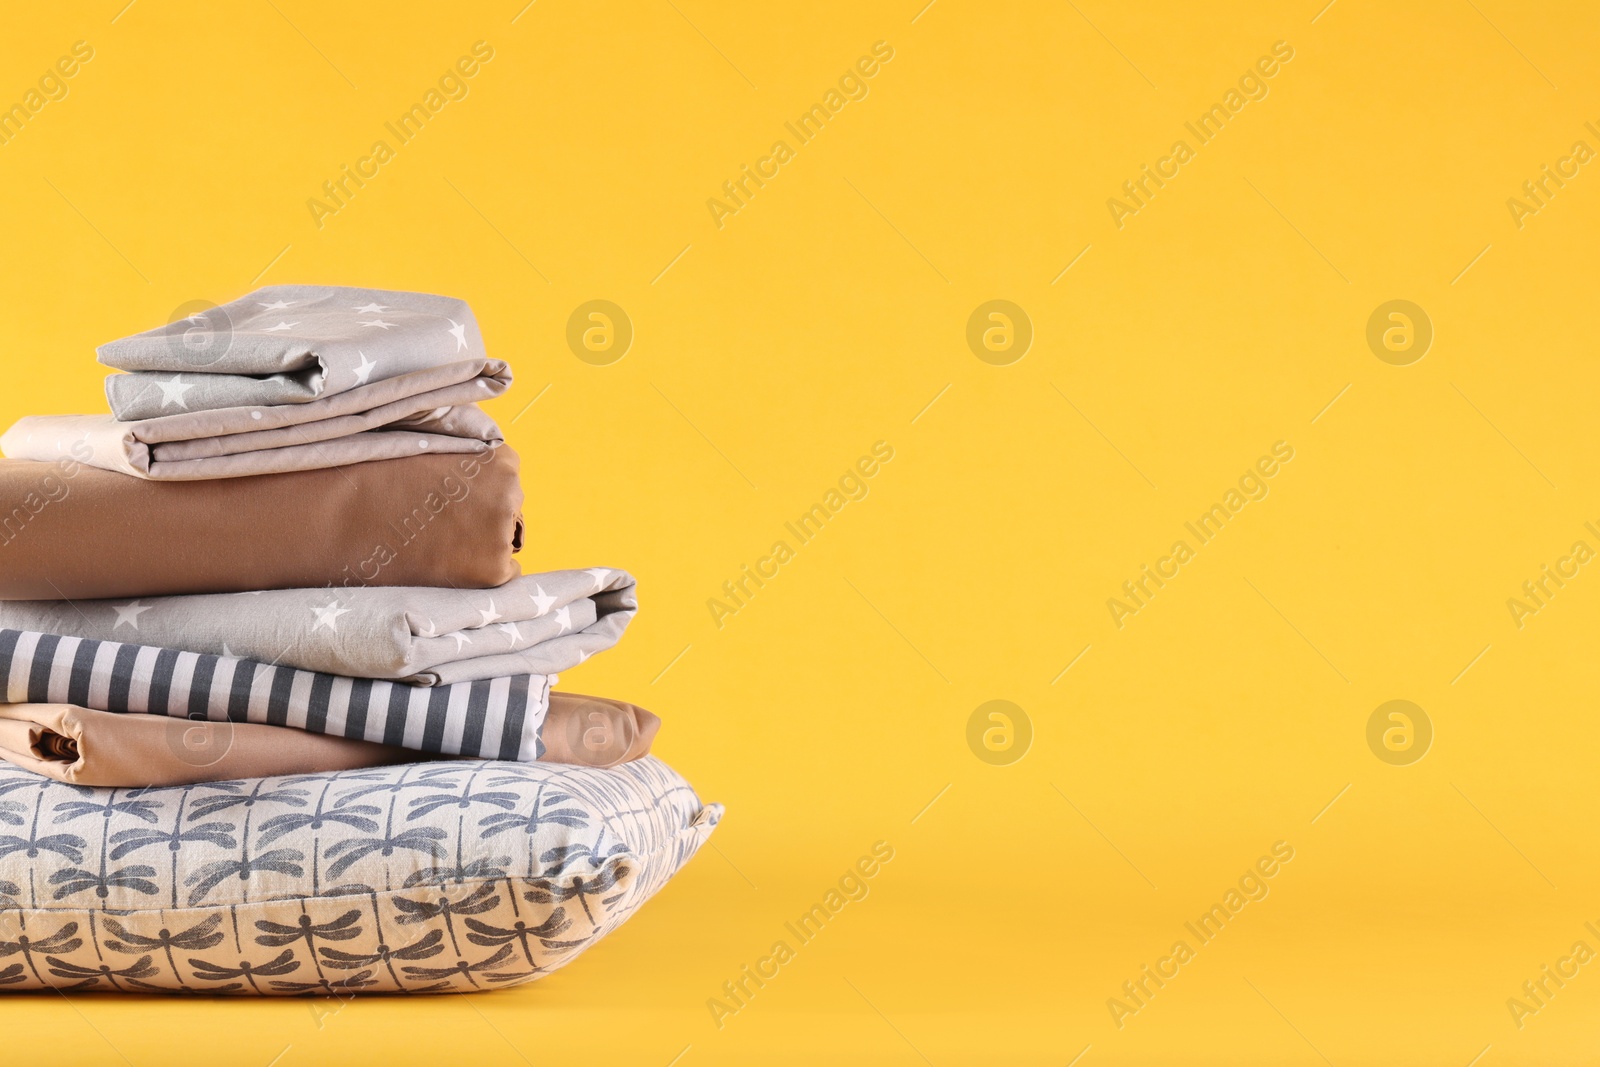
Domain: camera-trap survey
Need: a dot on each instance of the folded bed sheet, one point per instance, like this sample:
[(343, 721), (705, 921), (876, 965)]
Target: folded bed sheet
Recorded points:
[(427, 410), (68, 531), (81, 746), (288, 378), (535, 624), (500, 718), (287, 344)]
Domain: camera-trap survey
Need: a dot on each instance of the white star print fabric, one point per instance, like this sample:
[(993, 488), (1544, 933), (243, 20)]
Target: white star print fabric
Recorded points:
[(537, 624), (289, 378), (286, 344)]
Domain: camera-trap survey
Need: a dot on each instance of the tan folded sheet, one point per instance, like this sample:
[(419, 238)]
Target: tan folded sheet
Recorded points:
[(99, 748), (428, 410), (69, 531)]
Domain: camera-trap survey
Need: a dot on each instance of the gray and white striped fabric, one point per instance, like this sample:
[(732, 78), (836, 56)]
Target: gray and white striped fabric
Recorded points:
[(499, 718)]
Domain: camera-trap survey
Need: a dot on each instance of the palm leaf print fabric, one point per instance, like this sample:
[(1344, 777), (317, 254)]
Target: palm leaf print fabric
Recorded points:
[(425, 878), (500, 718)]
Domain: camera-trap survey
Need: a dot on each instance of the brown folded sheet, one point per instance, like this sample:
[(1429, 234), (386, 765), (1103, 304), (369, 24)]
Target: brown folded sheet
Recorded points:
[(99, 748), (69, 531)]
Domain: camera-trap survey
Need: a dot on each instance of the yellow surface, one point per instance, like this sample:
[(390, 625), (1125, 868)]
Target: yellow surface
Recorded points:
[(770, 352)]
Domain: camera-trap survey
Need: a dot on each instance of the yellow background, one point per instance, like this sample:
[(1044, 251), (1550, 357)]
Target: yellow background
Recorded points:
[(825, 316)]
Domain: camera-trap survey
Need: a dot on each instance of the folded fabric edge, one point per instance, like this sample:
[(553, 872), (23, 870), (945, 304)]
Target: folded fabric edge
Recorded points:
[(91, 747)]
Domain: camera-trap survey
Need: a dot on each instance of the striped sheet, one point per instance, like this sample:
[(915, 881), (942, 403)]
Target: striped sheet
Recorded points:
[(498, 718)]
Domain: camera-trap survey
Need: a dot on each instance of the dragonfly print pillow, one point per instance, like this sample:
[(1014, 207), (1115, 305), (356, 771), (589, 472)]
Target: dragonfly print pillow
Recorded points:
[(421, 878)]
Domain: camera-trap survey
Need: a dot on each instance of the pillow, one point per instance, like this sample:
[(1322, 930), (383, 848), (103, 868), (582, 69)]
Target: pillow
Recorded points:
[(420, 878)]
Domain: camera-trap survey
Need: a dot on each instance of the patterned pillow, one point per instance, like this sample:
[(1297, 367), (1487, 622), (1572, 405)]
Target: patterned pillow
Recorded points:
[(421, 878)]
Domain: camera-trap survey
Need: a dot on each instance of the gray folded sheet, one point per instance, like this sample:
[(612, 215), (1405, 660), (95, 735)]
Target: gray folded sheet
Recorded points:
[(289, 378), (286, 344), (537, 624)]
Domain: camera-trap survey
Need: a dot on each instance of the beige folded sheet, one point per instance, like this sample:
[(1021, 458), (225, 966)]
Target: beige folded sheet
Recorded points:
[(427, 410), (100, 748)]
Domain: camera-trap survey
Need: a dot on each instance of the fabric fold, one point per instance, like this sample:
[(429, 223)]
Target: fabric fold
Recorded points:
[(285, 345), (427, 410), (288, 378), (500, 718), (535, 624), (69, 531), (81, 746)]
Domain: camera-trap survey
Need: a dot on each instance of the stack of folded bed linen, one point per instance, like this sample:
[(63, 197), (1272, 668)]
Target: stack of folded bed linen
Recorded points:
[(276, 705)]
